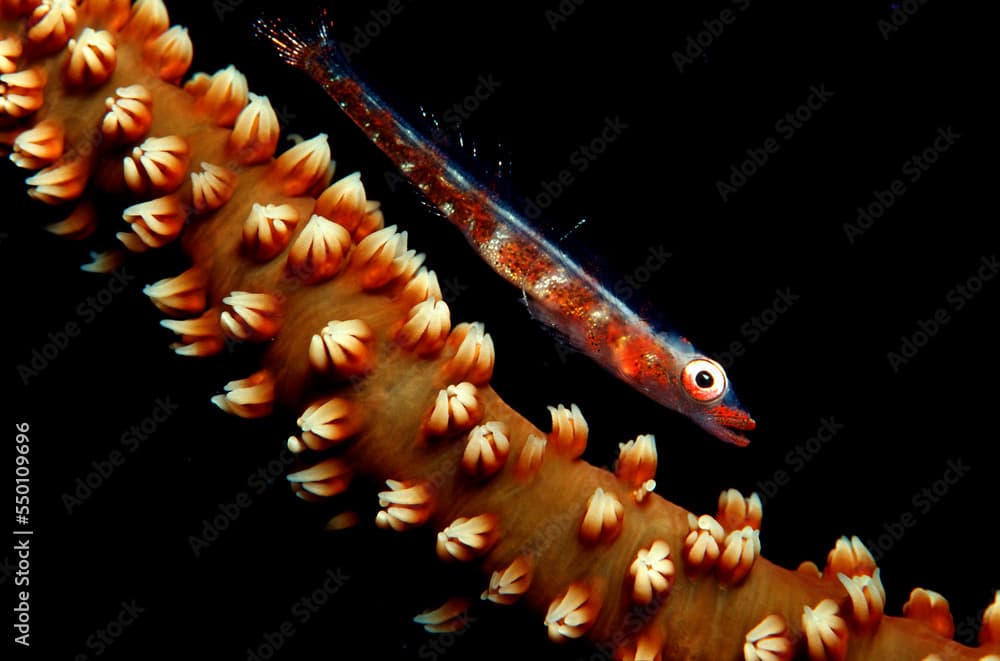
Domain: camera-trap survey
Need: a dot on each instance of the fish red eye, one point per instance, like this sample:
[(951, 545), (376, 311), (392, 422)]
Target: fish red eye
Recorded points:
[(704, 380)]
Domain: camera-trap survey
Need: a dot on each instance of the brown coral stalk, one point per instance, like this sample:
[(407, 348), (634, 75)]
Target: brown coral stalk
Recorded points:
[(397, 390)]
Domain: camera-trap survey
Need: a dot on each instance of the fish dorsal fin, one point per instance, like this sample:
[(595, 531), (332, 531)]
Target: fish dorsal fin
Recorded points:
[(577, 226)]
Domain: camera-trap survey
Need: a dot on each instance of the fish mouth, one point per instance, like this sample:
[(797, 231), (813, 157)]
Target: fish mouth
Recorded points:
[(726, 423)]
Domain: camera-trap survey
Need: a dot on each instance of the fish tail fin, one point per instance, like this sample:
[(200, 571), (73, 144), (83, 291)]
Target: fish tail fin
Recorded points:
[(302, 43)]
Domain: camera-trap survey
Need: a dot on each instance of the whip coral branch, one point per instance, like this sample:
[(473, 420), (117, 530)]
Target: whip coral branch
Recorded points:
[(362, 359)]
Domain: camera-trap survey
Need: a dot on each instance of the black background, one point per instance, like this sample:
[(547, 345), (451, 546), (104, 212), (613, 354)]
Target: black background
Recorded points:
[(655, 185)]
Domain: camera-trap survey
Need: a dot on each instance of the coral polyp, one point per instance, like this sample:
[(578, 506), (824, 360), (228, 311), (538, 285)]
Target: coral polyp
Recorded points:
[(339, 341)]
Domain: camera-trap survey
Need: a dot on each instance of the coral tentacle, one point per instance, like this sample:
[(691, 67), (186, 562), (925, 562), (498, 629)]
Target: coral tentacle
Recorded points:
[(397, 395)]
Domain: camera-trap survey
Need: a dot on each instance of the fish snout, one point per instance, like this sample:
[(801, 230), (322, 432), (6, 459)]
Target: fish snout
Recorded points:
[(726, 422)]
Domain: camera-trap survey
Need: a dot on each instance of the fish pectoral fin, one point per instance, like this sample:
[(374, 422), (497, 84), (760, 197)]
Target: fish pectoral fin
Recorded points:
[(551, 322)]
